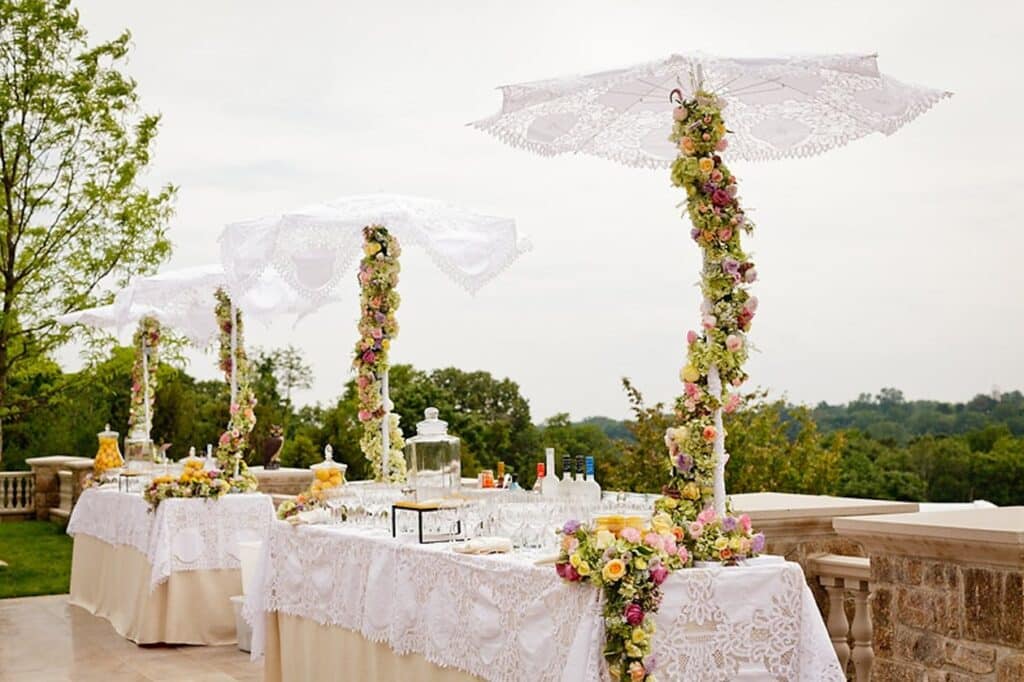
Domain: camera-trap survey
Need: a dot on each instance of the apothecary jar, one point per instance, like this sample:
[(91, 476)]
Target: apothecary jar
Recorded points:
[(433, 459)]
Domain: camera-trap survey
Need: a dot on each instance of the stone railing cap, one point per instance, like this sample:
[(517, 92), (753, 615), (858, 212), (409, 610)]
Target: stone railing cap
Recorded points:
[(793, 506), (54, 459), (998, 525)]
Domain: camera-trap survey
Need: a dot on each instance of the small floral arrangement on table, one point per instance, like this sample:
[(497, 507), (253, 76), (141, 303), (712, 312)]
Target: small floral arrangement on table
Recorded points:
[(194, 482), (378, 277), (144, 375), (324, 480)]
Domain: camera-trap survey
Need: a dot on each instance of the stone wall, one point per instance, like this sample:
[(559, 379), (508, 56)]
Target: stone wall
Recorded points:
[(938, 621)]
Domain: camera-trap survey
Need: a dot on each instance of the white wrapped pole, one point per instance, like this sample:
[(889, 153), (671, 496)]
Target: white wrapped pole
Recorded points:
[(385, 427), (145, 386), (715, 389), (234, 353)]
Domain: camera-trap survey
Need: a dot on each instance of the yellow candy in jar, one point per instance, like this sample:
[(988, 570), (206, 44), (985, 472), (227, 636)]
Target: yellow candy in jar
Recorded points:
[(108, 455)]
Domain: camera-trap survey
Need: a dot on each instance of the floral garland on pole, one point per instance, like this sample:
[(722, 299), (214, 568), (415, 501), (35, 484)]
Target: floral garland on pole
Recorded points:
[(235, 440), (630, 563), (144, 376), (378, 277), (716, 355)]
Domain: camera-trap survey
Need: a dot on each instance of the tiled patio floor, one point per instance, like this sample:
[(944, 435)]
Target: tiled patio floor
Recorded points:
[(43, 638)]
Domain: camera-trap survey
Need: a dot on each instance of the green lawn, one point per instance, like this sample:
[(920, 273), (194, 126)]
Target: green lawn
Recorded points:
[(38, 556)]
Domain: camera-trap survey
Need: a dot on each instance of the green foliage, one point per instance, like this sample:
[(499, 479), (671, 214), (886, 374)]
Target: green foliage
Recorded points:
[(74, 218), (39, 558)]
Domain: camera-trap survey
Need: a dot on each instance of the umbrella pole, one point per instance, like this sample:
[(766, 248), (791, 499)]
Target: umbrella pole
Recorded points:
[(715, 389), (234, 353), (145, 386), (385, 427)]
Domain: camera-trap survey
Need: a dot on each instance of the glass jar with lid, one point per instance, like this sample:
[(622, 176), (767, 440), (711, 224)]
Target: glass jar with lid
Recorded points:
[(328, 476), (433, 459), (108, 454)]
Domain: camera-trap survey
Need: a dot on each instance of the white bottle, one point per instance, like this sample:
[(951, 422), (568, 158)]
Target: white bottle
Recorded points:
[(591, 488), (549, 484), (567, 486)]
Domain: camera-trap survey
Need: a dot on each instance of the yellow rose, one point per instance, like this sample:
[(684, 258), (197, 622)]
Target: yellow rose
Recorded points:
[(385, 344), (371, 249), (640, 564), (686, 144), (575, 559), (691, 491), (639, 636), (721, 543), (690, 374), (583, 569), (720, 128), (604, 539), (613, 570), (734, 544), (682, 434), (671, 502), (706, 164), (662, 523)]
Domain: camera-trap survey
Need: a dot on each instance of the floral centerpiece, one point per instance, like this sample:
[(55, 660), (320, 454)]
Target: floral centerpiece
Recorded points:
[(234, 441), (144, 376), (378, 277), (325, 480), (193, 482)]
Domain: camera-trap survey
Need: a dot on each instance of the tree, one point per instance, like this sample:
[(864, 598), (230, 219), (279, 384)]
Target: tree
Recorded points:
[(290, 369), (73, 216)]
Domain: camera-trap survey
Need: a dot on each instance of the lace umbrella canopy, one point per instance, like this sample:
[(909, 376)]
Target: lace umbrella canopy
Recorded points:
[(312, 249), (772, 108), (185, 299)]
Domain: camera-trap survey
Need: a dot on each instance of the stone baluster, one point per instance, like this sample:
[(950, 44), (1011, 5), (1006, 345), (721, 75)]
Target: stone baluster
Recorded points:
[(841, 575)]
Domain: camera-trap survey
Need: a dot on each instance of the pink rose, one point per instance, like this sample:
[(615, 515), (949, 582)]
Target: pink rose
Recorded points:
[(745, 522), (731, 403), (683, 554), (691, 337), (696, 529), (653, 540), (377, 333), (634, 613), (630, 534), (716, 175), (720, 197), (733, 343), (708, 515), (709, 321), (751, 304), (725, 234), (692, 390), (668, 543), (679, 114), (710, 433), (369, 357), (722, 145), (225, 438), (362, 381), (658, 575), (750, 275), (364, 415)]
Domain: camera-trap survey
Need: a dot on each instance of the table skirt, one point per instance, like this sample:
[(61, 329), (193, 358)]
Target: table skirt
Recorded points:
[(302, 650), (190, 607)]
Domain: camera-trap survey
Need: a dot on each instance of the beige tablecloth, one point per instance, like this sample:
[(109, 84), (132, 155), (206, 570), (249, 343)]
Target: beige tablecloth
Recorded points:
[(302, 650), (190, 607)]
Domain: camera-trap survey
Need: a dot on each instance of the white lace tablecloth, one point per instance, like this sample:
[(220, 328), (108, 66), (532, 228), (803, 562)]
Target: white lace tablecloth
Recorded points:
[(182, 535), (502, 618)]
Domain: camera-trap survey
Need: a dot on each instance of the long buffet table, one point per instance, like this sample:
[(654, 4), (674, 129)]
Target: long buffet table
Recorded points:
[(164, 576), (342, 603)]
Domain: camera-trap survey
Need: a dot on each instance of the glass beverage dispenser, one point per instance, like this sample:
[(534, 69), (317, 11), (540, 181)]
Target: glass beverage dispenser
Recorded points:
[(433, 459)]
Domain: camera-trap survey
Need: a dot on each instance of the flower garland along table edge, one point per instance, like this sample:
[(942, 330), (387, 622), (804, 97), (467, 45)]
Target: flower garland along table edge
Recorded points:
[(691, 520)]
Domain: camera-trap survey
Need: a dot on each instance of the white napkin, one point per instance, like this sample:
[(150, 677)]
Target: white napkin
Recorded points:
[(485, 545)]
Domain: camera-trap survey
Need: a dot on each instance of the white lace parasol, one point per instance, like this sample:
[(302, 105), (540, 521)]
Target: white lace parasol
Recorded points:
[(184, 299), (775, 108), (113, 317), (312, 248)]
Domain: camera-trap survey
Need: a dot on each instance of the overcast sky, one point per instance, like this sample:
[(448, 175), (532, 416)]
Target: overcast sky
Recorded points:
[(891, 262)]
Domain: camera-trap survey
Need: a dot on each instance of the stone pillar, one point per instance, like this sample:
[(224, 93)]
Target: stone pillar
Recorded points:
[(45, 469), (947, 593), (283, 481)]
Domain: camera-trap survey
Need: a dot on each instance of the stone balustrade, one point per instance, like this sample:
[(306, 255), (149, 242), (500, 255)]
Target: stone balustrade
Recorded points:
[(844, 577), (46, 471), (17, 494), (947, 593)]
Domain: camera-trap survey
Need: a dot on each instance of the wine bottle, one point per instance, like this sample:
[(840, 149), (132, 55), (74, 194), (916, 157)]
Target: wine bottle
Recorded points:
[(549, 485), (567, 486), (540, 477)]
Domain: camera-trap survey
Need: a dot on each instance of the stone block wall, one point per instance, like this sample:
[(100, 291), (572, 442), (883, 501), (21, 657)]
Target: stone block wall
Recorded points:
[(944, 621)]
